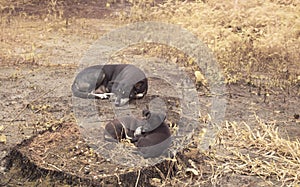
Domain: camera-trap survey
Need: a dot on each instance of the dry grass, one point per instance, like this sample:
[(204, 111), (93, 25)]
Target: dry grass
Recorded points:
[(257, 43), (257, 151), (243, 155), (249, 40), (51, 32)]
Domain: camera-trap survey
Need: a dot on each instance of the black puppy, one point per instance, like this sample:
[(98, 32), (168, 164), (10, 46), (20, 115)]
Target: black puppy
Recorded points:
[(155, 137), (151, 135), (125, 81)]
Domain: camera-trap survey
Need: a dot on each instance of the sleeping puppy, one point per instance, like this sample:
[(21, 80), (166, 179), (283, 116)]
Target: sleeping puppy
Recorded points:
[(125, 81), (151, 135), (155, 137)]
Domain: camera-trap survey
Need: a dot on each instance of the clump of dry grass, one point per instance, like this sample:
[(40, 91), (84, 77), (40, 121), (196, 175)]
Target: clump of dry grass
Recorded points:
[(245, 155), (256, 151), (248, 39)]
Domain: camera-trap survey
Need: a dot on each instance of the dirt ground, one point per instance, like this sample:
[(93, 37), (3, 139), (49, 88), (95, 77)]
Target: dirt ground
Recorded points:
[(40, 98), (37, 106)]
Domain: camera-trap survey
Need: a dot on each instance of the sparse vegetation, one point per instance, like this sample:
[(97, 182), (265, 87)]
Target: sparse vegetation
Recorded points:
[(249, 40)]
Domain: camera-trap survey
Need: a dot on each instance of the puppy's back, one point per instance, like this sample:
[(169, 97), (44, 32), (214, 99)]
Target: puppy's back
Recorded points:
[(154, 143)]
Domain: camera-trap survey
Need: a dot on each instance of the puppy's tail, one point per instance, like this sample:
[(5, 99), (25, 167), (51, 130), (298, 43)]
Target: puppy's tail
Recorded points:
[(77, 93)]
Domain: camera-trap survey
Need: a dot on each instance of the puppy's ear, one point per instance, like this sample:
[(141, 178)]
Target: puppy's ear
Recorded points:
[(146, 113)]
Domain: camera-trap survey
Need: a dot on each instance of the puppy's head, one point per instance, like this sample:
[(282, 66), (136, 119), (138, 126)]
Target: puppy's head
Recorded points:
[(122, 93), (152, 120), (125, 92)]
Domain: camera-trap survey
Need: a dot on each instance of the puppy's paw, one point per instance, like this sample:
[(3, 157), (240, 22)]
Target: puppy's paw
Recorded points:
[(101, 96), (104, 96), (138, 132)]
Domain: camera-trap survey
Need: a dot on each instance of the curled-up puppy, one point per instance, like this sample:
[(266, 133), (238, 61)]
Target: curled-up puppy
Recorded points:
[(150, 135), (155, 137), (125, 81)]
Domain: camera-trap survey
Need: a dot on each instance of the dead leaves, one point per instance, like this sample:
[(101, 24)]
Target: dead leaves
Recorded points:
[(2, 136), (3, 139)]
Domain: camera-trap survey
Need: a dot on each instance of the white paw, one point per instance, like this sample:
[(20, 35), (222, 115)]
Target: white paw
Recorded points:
[(138, 131), (101, 96)]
